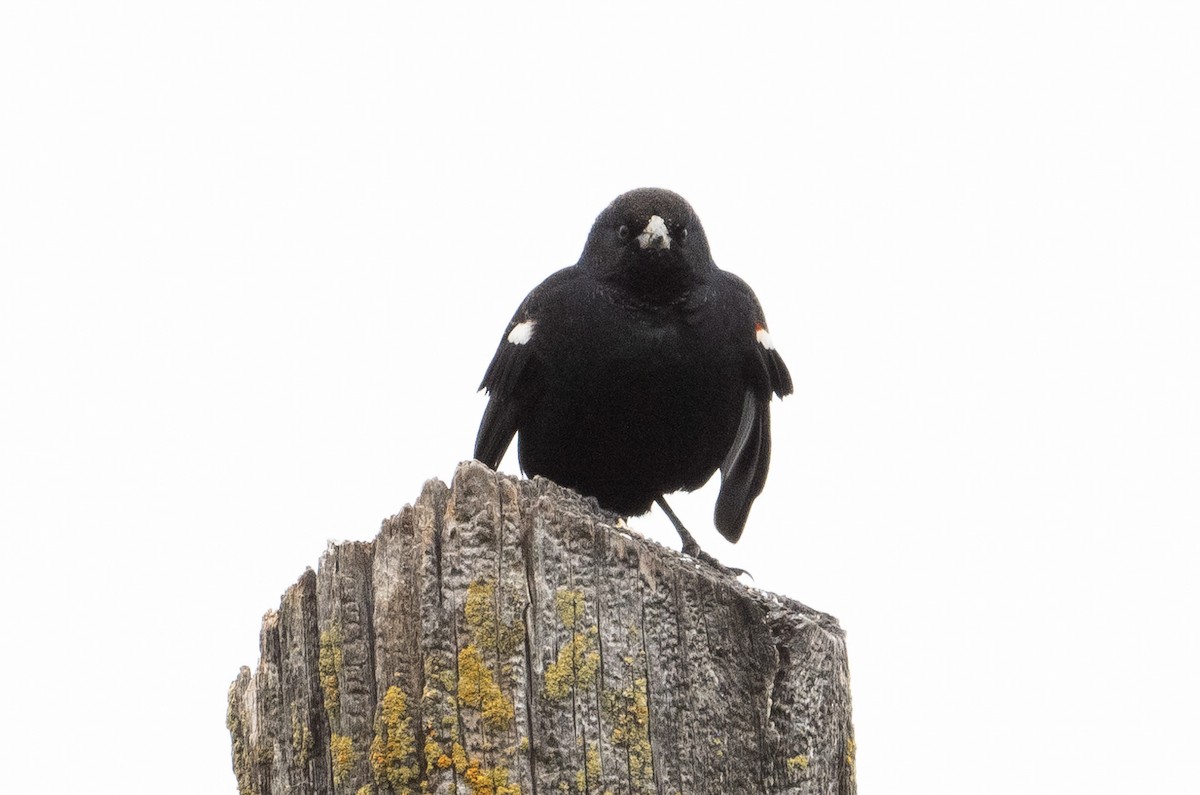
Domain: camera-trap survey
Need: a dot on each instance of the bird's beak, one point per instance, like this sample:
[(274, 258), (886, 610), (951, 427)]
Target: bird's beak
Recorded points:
[(655, 235)]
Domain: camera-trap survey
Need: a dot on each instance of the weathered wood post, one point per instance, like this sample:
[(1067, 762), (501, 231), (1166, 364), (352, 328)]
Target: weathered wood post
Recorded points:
[(498, 638)]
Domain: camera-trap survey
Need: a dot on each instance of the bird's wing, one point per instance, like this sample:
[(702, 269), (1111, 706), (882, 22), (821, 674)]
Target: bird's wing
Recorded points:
[(506, 401), (744, 470), (511, 379)]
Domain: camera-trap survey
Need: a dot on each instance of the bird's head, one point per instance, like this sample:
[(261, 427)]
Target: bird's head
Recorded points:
[(650, 243)]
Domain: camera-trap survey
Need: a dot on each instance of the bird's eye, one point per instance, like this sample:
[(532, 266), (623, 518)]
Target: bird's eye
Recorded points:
[(623, 231), (683, 233)]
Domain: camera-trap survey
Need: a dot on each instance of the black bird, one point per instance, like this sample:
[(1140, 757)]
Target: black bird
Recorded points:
[(639, 371)]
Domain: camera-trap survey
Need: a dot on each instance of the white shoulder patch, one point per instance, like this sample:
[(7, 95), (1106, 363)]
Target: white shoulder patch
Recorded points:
[(764, 339), (521, 333)]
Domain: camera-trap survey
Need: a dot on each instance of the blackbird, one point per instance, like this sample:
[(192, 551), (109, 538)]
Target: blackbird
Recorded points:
[(639, 371)]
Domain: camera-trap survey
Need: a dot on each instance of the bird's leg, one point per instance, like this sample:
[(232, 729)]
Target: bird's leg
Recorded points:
[(690, 547)]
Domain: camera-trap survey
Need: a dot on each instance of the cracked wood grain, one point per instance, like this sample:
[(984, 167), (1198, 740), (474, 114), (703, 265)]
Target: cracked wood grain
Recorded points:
[(500, 637)]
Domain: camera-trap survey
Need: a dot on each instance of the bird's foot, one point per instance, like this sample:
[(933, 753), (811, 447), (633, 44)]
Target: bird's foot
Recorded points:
[(693, 550)]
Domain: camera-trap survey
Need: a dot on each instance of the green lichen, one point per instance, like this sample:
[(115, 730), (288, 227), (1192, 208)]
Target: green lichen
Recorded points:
[(436, 676), (329, 666), (394, 749), (302, 739), (241, 750), (797, 763), (341, 752)]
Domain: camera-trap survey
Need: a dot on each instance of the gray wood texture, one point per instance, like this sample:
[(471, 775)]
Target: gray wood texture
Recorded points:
[(501, 637)]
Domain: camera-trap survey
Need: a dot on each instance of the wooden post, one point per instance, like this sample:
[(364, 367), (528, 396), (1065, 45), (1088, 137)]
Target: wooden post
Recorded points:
[(500, 637)]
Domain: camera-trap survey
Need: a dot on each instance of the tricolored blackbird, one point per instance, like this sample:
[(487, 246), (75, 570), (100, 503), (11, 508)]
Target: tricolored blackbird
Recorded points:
[(639, 371)]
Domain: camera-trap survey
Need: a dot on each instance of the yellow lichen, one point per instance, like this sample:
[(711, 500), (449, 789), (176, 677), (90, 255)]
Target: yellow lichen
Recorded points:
[(631, 729), (460, 758), (478, 685), (490, 781), (394, 749), (434, 752), (591, 772), (629, 711), (850, 752), (341, 751), (797, 763), (481, 612), (578, 660), (576, 665), (365, 789), (477, 688), (329, 666), (570, 604), (481, 682)]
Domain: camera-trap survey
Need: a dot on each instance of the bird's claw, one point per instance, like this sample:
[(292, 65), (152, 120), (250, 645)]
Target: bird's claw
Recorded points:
[(693, 550)]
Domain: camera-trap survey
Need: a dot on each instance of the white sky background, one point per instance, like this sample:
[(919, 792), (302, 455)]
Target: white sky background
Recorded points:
[(255, 258)]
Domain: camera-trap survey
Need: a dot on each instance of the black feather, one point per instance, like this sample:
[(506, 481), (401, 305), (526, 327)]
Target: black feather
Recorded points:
[(644, 373)]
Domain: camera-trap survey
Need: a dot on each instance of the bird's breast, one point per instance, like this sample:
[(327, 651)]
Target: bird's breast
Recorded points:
[(644, 361), (629, 397)]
